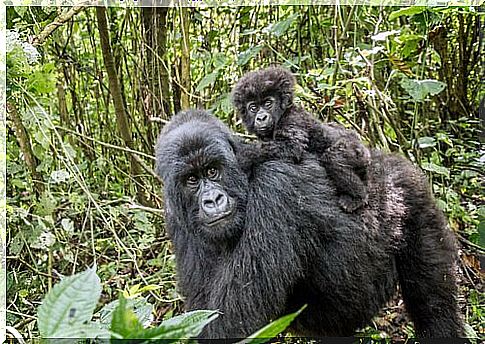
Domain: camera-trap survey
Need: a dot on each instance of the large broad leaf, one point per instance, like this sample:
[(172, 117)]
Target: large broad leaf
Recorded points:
[(429, 166), (420, 89), (70, 303), (89, 330), (187, 325), (207, 80), (408, 11), (271, 330), (248, 54), (426, 142), (279, 28)]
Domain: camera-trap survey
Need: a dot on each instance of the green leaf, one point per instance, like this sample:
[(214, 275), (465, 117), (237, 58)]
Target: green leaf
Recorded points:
[(89, 330), (187, 325), (382, 36), (470, 332), (408, 11), (124, 322), (46, 205), (429, 166), (248, 54), (426, 142), (420, 89), (140, 306), (67, 225), (71, 302), (60, 176), (207, 80), (272, 330), (279, 28), (220, 60)]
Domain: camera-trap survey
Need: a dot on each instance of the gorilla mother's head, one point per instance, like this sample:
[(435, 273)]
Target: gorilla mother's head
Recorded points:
[(195, 156)]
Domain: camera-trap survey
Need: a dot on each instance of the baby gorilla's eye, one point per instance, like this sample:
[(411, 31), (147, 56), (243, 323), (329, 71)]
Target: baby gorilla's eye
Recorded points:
[(192, 180), (268, 103), (252, 107), (212, 173)]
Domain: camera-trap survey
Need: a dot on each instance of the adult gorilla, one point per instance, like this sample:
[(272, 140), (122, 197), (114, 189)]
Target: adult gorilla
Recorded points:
[(259, 245)]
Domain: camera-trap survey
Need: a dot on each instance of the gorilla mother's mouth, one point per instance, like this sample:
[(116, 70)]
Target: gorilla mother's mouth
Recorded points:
[(214, 221)]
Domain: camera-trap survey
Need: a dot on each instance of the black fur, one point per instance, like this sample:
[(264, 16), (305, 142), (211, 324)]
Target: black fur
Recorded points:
[(289, 131), (288, 244)]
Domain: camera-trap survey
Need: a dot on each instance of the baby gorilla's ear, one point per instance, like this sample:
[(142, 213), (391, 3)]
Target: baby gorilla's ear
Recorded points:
[(286, 93), (285, 87)]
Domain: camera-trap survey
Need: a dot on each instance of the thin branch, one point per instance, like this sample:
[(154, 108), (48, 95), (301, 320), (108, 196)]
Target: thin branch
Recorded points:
[(59, 21), (108, 145)]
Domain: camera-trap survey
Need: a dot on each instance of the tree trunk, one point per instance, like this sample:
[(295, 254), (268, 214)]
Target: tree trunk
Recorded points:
[(185, 59), (26, 148), (115, 90), (155, 91)]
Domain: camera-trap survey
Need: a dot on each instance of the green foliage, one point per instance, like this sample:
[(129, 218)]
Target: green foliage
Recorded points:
[(420, 89), (67, 310), (273, 329), (408, 11), (245, 56), (279, 28), (207, 80)]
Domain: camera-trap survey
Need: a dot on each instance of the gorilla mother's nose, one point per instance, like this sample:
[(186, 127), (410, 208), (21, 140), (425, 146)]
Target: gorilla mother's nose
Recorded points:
[(214, 202)]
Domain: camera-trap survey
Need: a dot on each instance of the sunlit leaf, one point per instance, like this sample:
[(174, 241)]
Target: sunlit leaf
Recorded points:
[(124, 321), (408, 11), (279, 28), (70, 302), (140, 306), (59, 176), (420, 89), (187, 325), (272, 330), (207, 80), (248, 54), (426, 142), (429, 166), (381, 36)]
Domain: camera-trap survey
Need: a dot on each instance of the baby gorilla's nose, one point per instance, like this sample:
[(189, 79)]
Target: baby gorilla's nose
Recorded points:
[(262, 117)]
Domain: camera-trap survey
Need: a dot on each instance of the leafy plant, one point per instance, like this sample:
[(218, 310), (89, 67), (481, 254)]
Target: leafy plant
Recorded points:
[(68, 308)]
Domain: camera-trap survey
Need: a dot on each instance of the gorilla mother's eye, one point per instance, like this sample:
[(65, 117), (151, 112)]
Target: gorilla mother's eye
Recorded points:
[(212, 173), (252, 107), (192, 180)]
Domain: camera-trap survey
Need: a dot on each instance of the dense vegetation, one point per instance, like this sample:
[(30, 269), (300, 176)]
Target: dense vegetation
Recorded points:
[(88, 90)]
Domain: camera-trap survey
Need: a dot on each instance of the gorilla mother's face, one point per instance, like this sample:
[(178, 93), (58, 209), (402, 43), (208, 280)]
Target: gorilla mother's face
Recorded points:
[(203, 183)]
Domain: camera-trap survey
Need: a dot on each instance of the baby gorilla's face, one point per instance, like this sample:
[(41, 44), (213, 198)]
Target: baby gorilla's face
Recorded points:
[(262, 116)]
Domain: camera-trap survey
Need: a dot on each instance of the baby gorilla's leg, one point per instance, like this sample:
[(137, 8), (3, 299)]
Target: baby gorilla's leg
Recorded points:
[(346, 162)]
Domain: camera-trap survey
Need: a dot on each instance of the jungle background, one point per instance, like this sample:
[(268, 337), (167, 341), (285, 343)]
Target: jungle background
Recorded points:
[(88, 90)]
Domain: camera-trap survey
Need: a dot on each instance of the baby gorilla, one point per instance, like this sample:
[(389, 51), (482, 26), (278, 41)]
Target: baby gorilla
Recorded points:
[(264, 101)]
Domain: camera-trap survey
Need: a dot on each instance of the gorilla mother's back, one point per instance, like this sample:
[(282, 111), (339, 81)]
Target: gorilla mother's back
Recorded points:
[(259, 245)]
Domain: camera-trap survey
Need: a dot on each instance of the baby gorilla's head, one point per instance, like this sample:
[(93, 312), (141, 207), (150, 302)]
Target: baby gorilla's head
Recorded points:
[(262, 97)]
